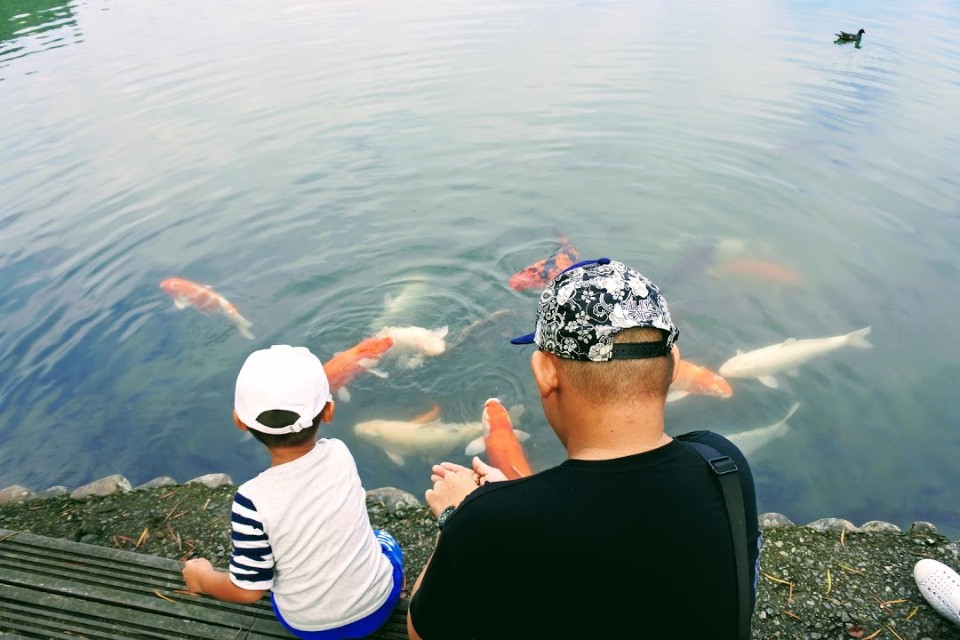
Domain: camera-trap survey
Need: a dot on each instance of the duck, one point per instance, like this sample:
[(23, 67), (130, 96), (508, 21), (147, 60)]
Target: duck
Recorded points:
[(849, 37)]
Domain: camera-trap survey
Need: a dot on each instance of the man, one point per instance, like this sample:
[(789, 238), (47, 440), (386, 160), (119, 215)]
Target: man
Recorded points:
[(629, 537)]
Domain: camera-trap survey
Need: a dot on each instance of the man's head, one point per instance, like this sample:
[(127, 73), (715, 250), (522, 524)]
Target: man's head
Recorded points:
[(610, 330), (282, 395)]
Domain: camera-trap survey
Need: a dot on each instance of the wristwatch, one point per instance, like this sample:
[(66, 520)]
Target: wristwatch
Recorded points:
[(444, 516)]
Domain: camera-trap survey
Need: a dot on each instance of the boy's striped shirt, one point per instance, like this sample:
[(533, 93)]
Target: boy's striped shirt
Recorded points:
[(251, 563)]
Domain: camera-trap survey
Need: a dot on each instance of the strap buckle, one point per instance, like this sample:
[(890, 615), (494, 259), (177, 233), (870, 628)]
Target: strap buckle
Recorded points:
[(723, 465)]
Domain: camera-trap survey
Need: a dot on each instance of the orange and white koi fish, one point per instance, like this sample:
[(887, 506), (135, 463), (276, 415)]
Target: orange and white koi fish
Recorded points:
[(344, 366), (501, 442), (540, 273), (190, 294), (692, 378)]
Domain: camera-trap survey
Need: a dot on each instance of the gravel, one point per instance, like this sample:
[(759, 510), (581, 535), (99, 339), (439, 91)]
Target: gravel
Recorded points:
[(821, 581)]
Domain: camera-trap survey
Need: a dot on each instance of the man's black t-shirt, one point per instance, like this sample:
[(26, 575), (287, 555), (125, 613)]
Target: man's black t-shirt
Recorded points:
[(636, 547)]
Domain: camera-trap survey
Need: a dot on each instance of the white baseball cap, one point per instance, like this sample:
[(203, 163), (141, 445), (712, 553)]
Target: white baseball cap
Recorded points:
[(281, 377)]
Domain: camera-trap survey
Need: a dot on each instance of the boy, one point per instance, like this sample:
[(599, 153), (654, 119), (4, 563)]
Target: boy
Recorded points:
[(300, 529)]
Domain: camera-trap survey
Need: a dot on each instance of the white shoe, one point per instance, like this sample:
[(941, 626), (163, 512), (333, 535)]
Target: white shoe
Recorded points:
[(940, 585)]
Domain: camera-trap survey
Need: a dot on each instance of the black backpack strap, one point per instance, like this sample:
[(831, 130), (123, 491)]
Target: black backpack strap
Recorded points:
[(726, 473)]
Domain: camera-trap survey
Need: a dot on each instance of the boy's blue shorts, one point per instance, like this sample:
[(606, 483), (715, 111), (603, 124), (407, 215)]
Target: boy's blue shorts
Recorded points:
[(365, 626)]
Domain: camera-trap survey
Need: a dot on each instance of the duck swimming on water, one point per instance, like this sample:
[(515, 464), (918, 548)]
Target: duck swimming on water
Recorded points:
[(850, 37)]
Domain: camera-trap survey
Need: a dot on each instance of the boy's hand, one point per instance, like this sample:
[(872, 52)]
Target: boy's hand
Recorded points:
[(193, 572)]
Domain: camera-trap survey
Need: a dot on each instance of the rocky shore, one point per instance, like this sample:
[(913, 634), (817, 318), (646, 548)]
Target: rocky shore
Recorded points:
[(825, 579)]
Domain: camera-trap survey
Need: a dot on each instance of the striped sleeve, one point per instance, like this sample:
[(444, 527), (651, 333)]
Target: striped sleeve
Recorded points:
[(251, 563)]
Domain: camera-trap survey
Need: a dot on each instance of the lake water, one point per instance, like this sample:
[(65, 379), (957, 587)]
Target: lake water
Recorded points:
[(310, 160)]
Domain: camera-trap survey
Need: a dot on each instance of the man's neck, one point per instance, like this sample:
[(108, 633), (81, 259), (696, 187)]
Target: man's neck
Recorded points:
[(615, 432)]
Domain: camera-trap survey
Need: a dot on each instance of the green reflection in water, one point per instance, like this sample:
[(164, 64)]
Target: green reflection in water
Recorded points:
[(23, 17)]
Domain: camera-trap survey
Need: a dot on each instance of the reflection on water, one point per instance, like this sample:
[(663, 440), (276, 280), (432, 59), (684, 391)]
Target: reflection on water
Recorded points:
[(332, 168), (31, 26)]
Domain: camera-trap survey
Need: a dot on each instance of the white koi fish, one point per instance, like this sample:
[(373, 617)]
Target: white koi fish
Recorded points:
[(424, 437), (749, 441), (413, 343), (786, 356)]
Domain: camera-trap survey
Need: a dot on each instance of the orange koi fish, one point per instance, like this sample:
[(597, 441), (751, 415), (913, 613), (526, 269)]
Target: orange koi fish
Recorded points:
[(344, 366), (501, 441), (692, 378), (539, 274), (760, 269), (190, 294)]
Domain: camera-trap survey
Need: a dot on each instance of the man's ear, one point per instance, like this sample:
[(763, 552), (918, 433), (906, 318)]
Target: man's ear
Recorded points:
[(675, 354), (544, 372), (238, 422), (326, 414)]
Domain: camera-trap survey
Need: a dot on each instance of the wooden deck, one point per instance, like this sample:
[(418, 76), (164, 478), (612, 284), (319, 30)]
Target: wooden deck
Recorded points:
[(51, 588)]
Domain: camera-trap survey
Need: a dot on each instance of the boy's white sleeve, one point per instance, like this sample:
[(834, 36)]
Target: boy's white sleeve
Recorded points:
[(251, 563)]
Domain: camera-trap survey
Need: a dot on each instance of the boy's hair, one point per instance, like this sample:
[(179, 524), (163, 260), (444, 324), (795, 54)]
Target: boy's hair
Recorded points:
[(277, 419), (622, 380)]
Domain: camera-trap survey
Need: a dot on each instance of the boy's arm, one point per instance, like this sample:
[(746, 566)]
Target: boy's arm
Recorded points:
[(200, 577)]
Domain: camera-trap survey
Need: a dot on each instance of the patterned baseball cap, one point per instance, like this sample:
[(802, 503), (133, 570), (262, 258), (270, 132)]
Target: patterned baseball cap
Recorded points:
[(589, 302)]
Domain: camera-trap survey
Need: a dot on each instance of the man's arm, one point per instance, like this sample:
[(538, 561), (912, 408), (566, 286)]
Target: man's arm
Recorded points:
[(200, 577), (451, 484)]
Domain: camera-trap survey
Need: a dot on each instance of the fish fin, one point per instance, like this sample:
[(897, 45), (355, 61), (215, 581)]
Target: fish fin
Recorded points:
[(246, 436), (475, 447), (380, 373), (343, 394), (181, 303), (515, 413), (442, 331), (789, 340), (770, 381), (793, 410), (367, 363), (396, 457), (412, 362), (517, 471), (675, 394), (792, 372), (859, 340), (739, 352), (522, 436), (430, 416)]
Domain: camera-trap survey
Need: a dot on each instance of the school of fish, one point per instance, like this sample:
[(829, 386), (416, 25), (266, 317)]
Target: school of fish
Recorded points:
[(428, 438)]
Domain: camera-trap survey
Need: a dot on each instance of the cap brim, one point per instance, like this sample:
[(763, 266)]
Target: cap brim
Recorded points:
[(527, 339)]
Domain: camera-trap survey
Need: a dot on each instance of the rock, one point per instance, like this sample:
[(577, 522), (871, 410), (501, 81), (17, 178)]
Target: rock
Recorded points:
[(395, 501), (879, 526), (212, 480), (56, 490), (772, 519), (922, 528), (160, 481), (832, 524), (15, 493), (103, 487)]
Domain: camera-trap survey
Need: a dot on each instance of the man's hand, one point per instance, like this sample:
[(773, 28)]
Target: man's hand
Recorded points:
[(193, 572), (453, 482)]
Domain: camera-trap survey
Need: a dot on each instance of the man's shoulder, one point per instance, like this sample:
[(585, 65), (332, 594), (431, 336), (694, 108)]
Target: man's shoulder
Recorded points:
[(723, 445)]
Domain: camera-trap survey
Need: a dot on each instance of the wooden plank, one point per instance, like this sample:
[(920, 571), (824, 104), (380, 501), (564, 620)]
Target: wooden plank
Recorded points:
[(52, 588), (119, 619)]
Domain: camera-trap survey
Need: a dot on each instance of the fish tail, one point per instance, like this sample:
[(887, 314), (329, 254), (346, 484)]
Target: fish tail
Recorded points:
[(243, 325), (859, 340)]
